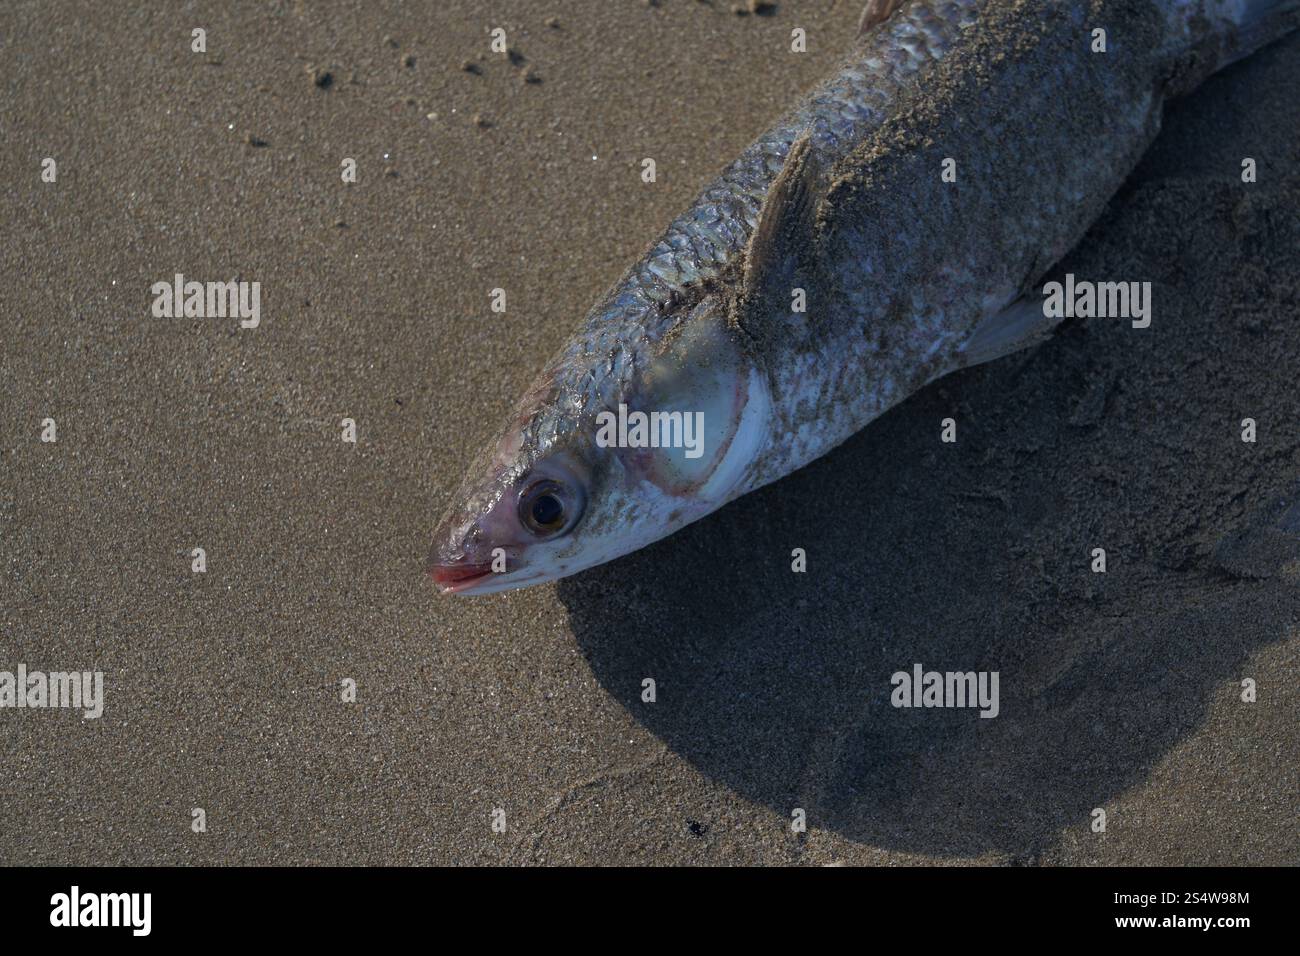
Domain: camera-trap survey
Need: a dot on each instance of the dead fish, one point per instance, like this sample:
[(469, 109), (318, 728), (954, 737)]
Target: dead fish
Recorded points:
[(903, 274)]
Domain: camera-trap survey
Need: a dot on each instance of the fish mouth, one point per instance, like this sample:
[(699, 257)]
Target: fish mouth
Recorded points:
[(456, 577)]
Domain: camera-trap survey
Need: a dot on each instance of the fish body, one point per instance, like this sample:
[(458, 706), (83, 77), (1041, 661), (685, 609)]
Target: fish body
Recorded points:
[(884, 233)]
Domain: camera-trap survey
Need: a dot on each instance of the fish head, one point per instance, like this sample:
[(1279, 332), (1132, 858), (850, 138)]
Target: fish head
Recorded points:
[(610, 450)]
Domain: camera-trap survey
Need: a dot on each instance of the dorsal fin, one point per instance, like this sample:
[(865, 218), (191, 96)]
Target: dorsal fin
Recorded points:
[(785, 222), (877, 12)]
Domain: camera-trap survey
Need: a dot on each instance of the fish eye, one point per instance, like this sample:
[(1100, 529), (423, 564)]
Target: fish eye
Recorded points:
[(547, 509)]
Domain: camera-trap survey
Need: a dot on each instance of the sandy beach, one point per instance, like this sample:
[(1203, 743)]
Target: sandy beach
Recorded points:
[(223, 690)]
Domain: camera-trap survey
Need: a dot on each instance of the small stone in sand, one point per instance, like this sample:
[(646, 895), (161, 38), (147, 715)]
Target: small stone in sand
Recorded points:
[(531, 77), (255, 141), (553, 22), (481, 121), (408, 60), (762, 8), (469, 66), (322, 78), (516, 58)]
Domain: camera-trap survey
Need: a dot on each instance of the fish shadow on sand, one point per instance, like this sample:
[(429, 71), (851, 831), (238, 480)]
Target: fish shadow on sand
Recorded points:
[(977, 556)]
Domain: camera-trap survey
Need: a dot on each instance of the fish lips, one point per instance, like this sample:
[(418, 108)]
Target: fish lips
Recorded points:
[(453, 569), (464, 577), (456, 577)]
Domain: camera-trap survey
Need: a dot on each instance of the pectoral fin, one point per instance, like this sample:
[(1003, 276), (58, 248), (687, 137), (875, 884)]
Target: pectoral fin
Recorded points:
[(782, 241), (1020, 325)]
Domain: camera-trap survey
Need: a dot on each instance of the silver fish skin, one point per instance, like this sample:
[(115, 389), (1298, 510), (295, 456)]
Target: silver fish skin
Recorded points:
[(906, 275)]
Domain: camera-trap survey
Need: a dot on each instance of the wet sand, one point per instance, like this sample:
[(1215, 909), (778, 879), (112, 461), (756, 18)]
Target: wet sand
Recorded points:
[(1118, 691)]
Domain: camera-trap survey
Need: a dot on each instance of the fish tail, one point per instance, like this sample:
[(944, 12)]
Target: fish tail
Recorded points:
[(1212, 34)]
